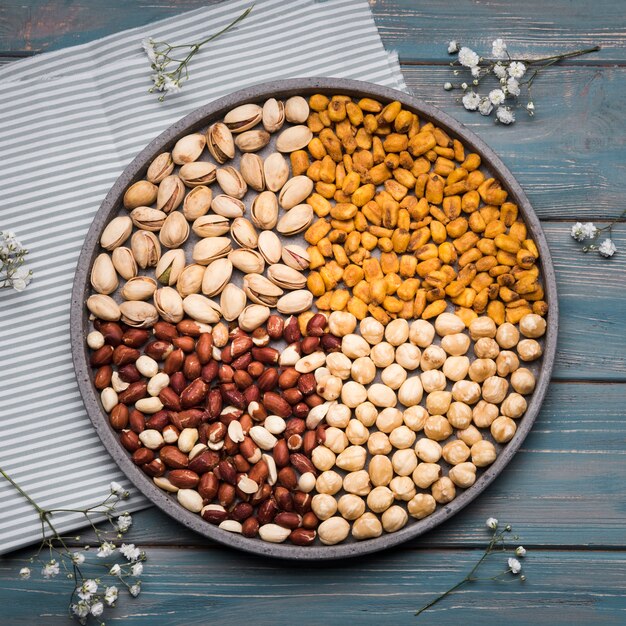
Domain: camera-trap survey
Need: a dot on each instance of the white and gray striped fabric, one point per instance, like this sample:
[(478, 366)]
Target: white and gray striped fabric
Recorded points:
[(70, 121)]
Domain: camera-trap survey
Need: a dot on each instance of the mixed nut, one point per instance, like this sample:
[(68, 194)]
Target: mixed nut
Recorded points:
[(338, 384)]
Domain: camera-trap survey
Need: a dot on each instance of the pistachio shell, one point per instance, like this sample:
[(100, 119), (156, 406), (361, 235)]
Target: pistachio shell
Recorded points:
[(198, 173), (103, 307), (211, 225), (169, 304), (231, 182), (286, 277), (103, 274), (295, 302), (252, 140), (253, 316), (276, 170), (264, 210), (295, 191), (296, 220), (211, 248), (124, 262), (296, 256), (161, 166), (248, 261), (190, 280), (146, 218), (260, 290), (294, 138), (175, 230), (139, 288), (116, 232), (216, 276), (138, 314), (171, 193), (141, 193), (201, 309), (220, 142), (146, 248), (270, 247), (169, 267), (296, 110), (188, 148), (227, 206), (197, 202), (273, 115), (251, 169), (232, 302), (244, 233), (243, 117)]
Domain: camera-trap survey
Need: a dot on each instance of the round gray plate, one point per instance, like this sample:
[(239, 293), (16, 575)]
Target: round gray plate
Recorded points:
[(112, 205)]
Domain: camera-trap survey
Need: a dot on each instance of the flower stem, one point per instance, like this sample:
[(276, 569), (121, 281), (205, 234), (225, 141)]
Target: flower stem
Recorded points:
[(443, 595), (560, 57), (226, 28), (42, 512)]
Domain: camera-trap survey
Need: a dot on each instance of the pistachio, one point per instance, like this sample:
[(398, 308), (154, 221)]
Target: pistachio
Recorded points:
[(231, 182), (243, 117), (295, 191), (198, 173), (296, 110), (286, 277), (276, 170), (171, 193), (260, 290), (117, 231), (219, 141), (146, 248), (124, 262), (232, 302), (141, 193), (105, 308), (103, 274), (273, 115), (296, 220), (175, 230), (139, 288), (270, 247), (190, 280), (247, 261), (244, 233), (146, 218), (201, 309), (170, 266), (211, 248), (252, 140), (169, 304), (211, 225), (264, 210), (161, 166), (294, 138), (252, 317), (197, 202), (296, 256), (251, 169), (227, 206), (216, 276), (138, 314), (188, 148), (295, 302)]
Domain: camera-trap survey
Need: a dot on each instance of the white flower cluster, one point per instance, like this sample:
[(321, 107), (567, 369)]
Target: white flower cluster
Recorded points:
[(13, 272), (588, 230), (158, 55)]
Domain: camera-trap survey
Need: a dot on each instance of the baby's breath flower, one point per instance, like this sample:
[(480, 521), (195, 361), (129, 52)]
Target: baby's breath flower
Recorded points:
[(78, 558), (148, 47), (505, 115), (106, 549), (607, 248), (124, 522), (520, 551), (116, 570), (514, 565), (447, 86), (499, 70), (530, 107), (116, 489), (87, 589), (81, 609), (516, 69), (50, 569), (97, 608), (471, 101), (130, 552), (453, 47), (578, 232), (110, 595), (13, 272), (589, 230), (136, 569), (25, 573), (512, 86), (498, 49), (492, 523), (496, 96), (485, 107), (135, 590), (463, 86), (467, 57), (476, 71)]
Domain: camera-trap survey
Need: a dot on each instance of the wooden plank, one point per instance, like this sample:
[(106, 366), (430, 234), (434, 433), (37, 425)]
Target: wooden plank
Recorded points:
[(551, 492), (223, 587)]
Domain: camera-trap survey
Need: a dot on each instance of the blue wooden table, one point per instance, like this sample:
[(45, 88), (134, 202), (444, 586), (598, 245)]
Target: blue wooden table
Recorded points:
[(564, 491)]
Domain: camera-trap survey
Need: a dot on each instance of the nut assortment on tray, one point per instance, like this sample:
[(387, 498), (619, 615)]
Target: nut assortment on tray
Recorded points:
[(323, 343)]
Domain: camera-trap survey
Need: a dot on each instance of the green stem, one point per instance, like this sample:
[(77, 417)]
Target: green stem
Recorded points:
[(227, 28), (560, 57), (42, 512), (443, 595)]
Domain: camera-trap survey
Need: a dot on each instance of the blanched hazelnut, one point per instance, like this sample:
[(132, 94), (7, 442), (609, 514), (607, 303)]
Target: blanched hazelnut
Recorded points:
[(466, 391), (483, 453), (495, 389), (323, 458), (372, 330), (433, 380), (437, 428), (421, 506), (350, 506), (333, 531), (463, 475), (455, 452), (336, 440), (329, 482), (507, 335), (380, 470), (456, 344), (523, 381), (338, 415), (481, 369), (408, 356), (363, 370), (411, 391), (532, 325), (353, 393), (366, 413), (383, 354), (388, 419), (339, 364), (404, 461), (433, 357), (529, 349), (482, 327), (506, 363), (393, 376), (514, 405), (443, 490), (484, 413), (459, 415), (357, 433), (367, 526), (321, 373), (357, 483), (354, 346), (379, 499), (428, 450), (402, 437), (397, 331), (456, 367), (469, 435), (341, 323), (486, 348), (378, 443), (448, 324), (425, 474), (421, 333), (330, 387), (323, 505), (415, 417), (503, 429), (394, 518), (438, 402), (352, 458)]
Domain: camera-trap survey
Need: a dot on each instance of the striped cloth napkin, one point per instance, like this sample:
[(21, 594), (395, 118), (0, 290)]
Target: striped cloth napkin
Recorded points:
[(71, 121)]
